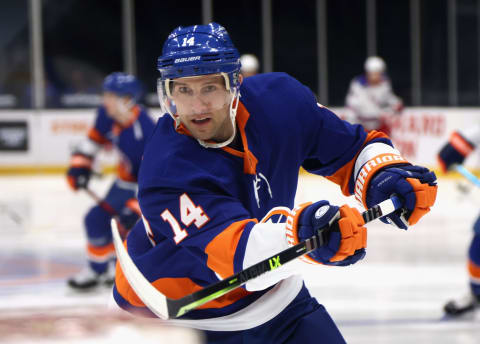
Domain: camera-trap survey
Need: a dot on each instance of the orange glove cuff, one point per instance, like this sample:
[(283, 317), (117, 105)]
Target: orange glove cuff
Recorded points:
[(426, 195), (291, 230)]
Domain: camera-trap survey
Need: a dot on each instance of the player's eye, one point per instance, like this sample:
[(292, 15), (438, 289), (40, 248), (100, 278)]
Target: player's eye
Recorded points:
[(183, 90), (209, 88)]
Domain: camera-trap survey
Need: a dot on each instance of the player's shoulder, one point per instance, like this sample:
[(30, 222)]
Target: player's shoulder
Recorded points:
[(145, 116), (275, 92), (268, 82), (360, 80), (102, 117), (101, 111)]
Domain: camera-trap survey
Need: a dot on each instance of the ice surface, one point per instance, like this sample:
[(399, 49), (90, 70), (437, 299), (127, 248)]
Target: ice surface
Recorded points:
[(395, 295)]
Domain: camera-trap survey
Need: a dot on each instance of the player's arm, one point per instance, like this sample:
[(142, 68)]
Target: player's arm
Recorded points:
[(213, 227), (222, 234), (81, 161), (458, 147), (366, 165)]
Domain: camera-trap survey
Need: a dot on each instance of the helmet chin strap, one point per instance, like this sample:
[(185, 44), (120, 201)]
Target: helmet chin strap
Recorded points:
[(233, 113)]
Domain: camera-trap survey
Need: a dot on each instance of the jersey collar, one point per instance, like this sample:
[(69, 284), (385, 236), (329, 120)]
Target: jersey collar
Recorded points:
[(249, 159)]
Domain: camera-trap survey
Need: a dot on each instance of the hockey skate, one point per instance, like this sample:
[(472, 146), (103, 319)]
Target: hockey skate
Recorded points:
[(87, 278), (462, 306)]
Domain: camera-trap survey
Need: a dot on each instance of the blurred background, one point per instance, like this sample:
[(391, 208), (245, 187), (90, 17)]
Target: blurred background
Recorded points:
[(54, 55)]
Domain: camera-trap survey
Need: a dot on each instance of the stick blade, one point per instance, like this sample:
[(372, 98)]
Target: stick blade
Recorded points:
[(151, 297)]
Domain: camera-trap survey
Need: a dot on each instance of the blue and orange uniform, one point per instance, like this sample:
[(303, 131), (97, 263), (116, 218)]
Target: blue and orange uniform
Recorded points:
[(207, 200), (460, 145), (129, 140), (202, 207)]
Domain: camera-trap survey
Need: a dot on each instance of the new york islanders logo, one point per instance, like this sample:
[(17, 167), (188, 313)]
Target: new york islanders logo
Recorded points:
[(259, 182)]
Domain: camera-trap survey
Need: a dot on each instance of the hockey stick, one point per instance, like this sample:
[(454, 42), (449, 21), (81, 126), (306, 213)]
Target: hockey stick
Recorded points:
[(166, 308), (11, 213), (467, 174), (109, 209)]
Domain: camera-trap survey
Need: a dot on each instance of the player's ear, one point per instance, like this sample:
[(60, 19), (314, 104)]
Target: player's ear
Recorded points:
[(240, 78)]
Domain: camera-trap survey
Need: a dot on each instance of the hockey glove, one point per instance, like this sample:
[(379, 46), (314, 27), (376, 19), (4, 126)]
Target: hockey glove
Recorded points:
[(343, 232), (130, 214), (416, 186), (80, 171), (454, 152)]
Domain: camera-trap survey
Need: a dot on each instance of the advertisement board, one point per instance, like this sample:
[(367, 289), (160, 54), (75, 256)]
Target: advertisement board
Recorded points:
[(46, 139)]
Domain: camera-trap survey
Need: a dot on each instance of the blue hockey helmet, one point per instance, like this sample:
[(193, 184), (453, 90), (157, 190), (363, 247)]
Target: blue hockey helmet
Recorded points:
[(123, 84), (198, 50)]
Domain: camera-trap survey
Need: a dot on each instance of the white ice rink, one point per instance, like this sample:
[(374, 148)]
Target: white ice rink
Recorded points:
[(395, 295)]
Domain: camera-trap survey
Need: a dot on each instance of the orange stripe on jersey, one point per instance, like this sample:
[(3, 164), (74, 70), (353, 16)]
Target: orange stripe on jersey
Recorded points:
[(173, 288), (124, 288), (221, 250), (282, 211), (94, 135), (101, 252), (342, 176), (249, 159), (460, 144), (473, 269)]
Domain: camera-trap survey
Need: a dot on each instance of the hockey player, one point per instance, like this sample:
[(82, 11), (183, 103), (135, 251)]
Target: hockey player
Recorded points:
[(460, 145), (249, 64), (219, 167), (123, 123), (370, 97)]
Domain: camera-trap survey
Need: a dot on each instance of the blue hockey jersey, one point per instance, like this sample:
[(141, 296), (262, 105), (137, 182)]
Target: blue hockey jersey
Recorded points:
[(200, 204), (129, 139)]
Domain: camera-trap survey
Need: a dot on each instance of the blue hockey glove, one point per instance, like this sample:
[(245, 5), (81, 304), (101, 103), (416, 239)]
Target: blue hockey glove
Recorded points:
[(80, 171), (343, 232), (415, 185), (454, 152)]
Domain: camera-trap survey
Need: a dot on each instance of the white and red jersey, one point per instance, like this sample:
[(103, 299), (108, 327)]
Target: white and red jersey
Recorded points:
[(369, 102)]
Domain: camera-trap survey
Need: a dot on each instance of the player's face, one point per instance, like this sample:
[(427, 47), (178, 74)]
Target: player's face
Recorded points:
[(117, 107), (374, 77), (203, 106)]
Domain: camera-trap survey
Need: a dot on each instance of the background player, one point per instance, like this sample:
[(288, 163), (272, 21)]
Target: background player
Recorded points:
[(370, 97), (250, 65), (123, 123), (220, 163), (460, 145)]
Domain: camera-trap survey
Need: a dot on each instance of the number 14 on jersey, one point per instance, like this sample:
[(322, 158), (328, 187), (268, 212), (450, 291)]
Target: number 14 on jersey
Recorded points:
[(189, 213)]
